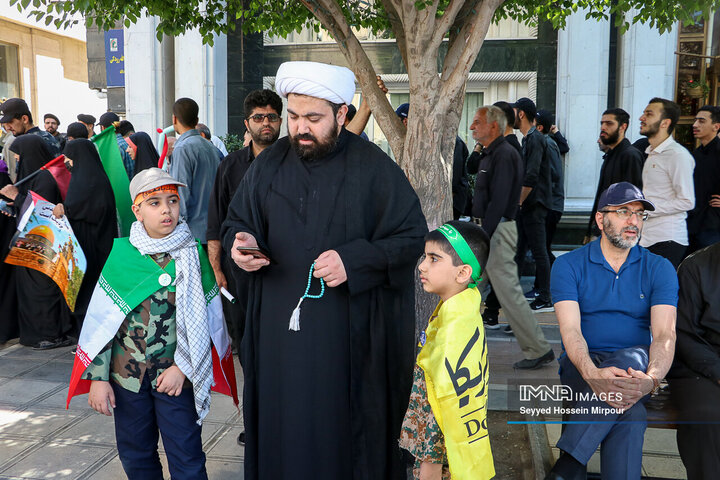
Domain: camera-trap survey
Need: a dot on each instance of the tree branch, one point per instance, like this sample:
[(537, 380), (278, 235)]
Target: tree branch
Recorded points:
[(396, 23), (479, 26), (459, 32), (443, 24), (333, 20)]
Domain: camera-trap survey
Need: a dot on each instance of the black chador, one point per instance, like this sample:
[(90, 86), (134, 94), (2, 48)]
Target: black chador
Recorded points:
[(90, 208), (43, 314)]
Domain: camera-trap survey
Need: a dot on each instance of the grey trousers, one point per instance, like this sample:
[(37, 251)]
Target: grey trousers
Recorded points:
[(501, 270)]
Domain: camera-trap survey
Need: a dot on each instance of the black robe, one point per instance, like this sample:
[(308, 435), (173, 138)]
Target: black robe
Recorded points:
[(43, 313), (90, 208), (146, 155), (8, 293), (328, 401)]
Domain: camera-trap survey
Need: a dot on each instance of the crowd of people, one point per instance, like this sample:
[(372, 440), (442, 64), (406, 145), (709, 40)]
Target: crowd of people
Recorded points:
[(313, 238)]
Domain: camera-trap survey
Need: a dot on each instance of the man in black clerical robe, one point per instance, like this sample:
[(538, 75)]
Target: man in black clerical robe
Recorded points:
[(325, 401)]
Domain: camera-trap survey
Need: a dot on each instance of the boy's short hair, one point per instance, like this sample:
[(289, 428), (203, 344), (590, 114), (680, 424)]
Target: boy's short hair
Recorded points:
[(474, 235)]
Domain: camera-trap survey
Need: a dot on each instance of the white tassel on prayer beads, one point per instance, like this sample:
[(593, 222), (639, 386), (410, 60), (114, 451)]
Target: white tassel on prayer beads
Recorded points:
[(295, 318)]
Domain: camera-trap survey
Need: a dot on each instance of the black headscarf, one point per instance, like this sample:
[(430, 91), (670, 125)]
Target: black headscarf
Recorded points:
[(147, 156), (90, 195), (33, 152)]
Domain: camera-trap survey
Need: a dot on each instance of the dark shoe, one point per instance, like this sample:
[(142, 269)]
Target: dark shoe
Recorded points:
[(241, 438), (491, 321), (539, 306), (567, 468), (535, 363), (531, 295), (508, 330), (50, 344)]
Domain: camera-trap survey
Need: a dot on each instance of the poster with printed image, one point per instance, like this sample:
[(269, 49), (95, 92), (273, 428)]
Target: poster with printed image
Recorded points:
[(48, 245)]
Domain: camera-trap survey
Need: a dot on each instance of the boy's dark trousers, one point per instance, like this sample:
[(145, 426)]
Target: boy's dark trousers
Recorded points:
[(138, 416)]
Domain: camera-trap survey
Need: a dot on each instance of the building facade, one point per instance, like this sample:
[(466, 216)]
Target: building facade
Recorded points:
[(46, 67), (576, 72)]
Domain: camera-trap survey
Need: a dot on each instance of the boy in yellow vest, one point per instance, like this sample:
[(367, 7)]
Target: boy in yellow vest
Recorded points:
[(445, 427)]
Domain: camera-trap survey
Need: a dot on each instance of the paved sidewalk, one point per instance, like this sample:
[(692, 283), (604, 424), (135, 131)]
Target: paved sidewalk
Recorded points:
[(39, 439)]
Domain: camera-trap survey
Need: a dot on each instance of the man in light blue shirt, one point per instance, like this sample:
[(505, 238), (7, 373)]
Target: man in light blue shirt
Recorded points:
[(194, 163)]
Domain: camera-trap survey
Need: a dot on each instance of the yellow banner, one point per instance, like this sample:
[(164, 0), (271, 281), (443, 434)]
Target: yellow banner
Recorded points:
[(454, 359)]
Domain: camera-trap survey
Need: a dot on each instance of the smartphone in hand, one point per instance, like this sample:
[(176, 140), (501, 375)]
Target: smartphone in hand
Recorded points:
[(256, 252)]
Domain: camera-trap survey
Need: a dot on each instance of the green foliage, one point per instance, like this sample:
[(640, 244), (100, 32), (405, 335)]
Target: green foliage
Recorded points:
[(232, 142), (281, 17)]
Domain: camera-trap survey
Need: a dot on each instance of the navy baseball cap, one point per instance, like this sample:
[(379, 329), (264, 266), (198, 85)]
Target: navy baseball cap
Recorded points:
[(622, 193), (527, 106), (402, 110)]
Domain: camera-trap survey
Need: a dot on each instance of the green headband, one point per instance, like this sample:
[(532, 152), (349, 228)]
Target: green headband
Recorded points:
[(463, 250)]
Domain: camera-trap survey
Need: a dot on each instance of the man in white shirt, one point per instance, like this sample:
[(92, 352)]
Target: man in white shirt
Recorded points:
[(667, 181)]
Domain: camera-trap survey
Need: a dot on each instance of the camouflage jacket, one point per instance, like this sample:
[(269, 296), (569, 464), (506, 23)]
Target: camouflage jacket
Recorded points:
[(421, 435), (144, 344)]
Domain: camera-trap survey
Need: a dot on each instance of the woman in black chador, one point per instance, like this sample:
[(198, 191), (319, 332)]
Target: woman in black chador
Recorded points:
[(90, 207), (43, 315), (145, 154), (8, 294)]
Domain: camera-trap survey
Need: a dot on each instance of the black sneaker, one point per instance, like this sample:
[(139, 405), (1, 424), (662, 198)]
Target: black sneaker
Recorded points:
[(538, 306), (535, 363), (531, 295), (241, 438), (491, 321), (508, 330)]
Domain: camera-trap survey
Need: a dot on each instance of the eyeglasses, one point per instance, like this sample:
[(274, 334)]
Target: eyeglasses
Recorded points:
[(626, 213), (260, 117)]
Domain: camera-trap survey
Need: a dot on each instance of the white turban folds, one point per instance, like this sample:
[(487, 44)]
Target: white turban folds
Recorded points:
[(329, 82)]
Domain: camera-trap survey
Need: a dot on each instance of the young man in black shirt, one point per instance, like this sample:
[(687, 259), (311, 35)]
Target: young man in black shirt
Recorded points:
[(535, 201), (704, 220), (621, 163), (263, 110)]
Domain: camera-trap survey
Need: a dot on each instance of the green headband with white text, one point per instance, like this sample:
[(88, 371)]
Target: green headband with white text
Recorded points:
[(463, 250)]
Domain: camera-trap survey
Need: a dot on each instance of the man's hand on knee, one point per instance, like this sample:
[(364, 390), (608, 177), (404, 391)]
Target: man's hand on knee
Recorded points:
[(603, 382), (639, 385)]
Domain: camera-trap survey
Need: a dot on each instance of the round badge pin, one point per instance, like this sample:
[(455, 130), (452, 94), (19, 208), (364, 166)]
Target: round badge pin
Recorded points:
[(165, 279)]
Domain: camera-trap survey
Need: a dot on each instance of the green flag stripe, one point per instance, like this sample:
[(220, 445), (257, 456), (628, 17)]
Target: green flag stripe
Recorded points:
[(107, 146), (114, 296)]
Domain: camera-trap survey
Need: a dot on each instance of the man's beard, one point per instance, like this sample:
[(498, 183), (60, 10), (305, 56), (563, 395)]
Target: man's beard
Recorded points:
[(264, 139), (321, 148), (651, 129), (611, 138), (616, 238)]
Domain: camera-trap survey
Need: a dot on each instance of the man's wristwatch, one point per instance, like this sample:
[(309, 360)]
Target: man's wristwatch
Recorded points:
[(656, 385)]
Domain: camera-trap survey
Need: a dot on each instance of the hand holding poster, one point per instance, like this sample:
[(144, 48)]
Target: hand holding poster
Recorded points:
[(47, 244)]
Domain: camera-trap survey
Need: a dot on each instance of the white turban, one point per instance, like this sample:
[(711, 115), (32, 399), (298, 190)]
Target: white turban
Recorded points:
[(329, 82)]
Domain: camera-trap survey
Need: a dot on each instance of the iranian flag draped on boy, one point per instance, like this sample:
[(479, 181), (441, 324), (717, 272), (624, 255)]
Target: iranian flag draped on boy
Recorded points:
[(114, 297)]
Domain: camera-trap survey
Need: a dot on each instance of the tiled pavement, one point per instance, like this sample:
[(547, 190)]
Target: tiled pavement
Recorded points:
[(39, 439)]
